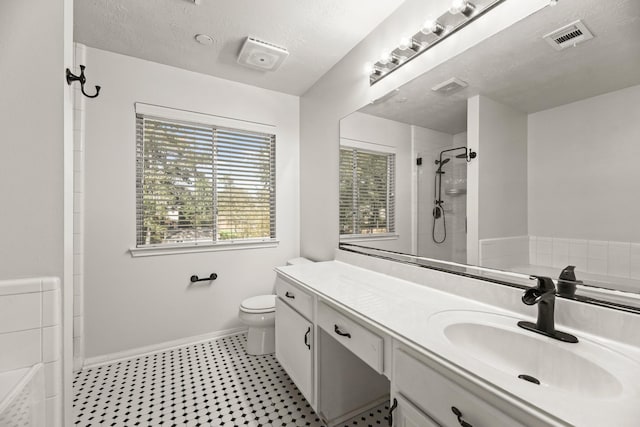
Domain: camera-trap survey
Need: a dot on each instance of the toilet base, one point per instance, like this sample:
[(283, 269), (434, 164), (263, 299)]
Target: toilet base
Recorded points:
[(261, 341)]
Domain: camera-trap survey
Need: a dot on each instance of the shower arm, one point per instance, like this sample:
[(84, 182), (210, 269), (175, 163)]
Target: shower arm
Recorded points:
[(468, 153)]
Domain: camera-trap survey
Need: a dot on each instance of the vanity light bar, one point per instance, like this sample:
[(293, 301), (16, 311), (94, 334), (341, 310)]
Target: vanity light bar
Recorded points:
[(433, 31)]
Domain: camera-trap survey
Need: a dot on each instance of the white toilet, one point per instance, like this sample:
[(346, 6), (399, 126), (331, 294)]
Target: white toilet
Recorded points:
[(259, 314)]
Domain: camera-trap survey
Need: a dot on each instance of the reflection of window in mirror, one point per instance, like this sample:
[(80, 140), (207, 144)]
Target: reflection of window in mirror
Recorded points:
[(367, 191)]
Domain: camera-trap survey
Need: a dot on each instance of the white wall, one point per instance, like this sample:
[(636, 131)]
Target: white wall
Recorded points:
[(583, 169), (502, 160), (375, 130), (31, 113), (134, 302), (345, 88)]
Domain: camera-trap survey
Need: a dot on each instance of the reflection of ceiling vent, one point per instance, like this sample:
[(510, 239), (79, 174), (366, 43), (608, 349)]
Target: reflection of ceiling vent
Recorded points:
[(450, 86), (568, 36), (262, 55)]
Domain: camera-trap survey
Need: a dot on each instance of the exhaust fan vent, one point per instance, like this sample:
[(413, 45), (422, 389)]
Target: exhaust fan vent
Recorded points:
[(568, 36), (449, 87), (262, 55)]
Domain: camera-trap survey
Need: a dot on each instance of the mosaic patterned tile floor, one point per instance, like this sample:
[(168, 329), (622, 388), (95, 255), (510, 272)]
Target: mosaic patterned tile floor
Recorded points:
[(209, 384)]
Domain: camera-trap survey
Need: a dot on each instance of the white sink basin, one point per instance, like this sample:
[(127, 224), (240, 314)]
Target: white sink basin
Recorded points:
[(493, 342)]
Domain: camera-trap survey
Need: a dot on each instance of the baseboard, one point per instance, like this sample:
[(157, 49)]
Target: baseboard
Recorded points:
[(107, 359)]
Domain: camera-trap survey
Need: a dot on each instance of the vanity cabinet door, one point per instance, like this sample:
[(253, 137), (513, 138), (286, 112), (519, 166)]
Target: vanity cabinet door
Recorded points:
[(449, 404), (294, 347), (407, 415)]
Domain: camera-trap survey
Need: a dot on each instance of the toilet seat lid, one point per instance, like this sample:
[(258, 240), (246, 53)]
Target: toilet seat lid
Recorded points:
[(260, 303)]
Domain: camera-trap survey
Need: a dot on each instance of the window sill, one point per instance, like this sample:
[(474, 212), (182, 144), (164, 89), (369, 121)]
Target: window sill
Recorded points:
[(178, 250), (369, 238)]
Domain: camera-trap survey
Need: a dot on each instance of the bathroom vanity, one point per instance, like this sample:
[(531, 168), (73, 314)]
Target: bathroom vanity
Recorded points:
[(350, 337)]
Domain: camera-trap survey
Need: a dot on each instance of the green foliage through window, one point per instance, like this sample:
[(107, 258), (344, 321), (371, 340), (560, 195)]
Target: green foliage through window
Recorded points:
[(200, 184), (367, 192)]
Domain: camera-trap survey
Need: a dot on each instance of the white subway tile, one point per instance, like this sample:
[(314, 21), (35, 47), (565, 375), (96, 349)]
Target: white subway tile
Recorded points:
[(25, 348), (597, 249), (77, 305), (578, 248), (20, 286), (19, 312), (544, 258), (50, 283), (597, 266), (53, 411), (78, 244), (77, 347), (51, 308), (51, 344), (78, 182), (77, 202), (580, 263), (78, 326), (77, 283), (618, 262), (78, 265), (532, 250), (544, 245), (52, 378), (634, 261), (560, 253)]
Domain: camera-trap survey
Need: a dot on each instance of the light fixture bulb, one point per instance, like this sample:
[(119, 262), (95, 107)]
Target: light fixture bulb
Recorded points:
[(385, 57), (463, 7), (405, 43), (432, 26), (457, 6), (369, 68)]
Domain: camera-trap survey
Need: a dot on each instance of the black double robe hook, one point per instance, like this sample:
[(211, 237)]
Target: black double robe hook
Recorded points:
[(82, 79)]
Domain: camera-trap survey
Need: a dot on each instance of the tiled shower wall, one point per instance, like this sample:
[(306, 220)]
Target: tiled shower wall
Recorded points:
[(31, 333), (603, 258), (78, 212)]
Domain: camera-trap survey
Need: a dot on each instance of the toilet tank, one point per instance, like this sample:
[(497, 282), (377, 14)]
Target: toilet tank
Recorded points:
[(300, 260)]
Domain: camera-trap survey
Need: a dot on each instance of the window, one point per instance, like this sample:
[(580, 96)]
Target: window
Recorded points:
[(199, 184), (367, 192)]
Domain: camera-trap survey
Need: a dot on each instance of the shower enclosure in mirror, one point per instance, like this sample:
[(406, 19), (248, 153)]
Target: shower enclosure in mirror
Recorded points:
[(527, 163)]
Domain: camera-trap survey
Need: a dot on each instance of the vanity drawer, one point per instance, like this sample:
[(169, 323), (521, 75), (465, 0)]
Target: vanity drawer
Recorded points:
[(297, 299), (437, 395), (359, 340)]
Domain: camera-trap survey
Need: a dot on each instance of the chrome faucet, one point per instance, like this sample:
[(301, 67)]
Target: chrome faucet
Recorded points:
[(545, 296)]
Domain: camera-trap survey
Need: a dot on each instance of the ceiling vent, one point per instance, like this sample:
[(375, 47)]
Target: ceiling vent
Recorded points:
[(568, 36), (262, 55), (449, 87)]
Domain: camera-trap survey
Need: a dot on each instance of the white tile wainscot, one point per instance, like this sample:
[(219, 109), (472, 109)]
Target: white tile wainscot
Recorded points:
[(30, 333), (395, 302)]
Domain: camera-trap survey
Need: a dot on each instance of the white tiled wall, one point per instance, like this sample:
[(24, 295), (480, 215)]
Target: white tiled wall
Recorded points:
[(597, 257), (30, 333), (78, 213), (616, 259), (504, 252)]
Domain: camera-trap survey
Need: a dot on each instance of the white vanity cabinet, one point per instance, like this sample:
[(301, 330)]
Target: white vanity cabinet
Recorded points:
[(439, 399), (405, 414), (345, 362), (294, 337)]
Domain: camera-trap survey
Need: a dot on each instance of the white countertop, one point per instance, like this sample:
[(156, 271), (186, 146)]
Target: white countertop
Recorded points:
[(402, 309)]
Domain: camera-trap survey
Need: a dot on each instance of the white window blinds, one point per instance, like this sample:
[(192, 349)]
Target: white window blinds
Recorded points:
[(367, 192), (200, 184)]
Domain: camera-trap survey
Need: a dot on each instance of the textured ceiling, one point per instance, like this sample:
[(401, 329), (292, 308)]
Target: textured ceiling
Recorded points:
[(317, 33), (518, 68)]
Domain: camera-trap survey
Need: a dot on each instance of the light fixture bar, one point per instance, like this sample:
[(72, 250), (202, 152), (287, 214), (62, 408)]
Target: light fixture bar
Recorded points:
[(433, 31)]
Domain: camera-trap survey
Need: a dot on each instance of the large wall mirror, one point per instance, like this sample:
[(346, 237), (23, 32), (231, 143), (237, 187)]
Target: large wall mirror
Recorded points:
[(519, 154)]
